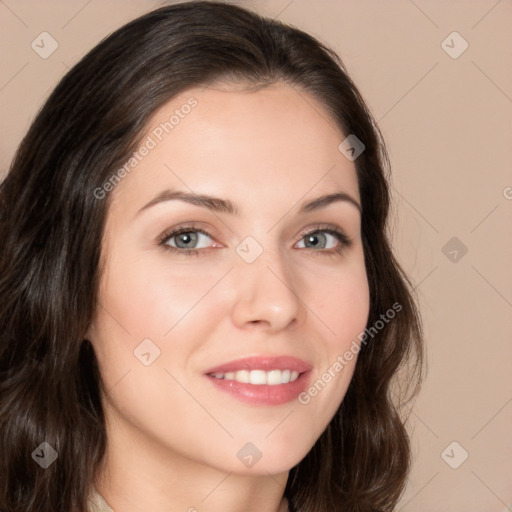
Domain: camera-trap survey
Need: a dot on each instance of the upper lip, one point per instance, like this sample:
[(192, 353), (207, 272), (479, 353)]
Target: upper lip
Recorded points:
[(266, 363)]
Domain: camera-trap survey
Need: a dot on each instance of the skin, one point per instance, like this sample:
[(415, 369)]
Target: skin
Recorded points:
[(173, 437)]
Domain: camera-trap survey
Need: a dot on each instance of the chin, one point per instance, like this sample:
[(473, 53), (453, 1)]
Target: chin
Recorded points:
[(273, 461)]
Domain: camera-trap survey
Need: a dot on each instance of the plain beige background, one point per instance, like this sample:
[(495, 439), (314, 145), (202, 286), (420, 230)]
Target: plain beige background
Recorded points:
[(447, 123)]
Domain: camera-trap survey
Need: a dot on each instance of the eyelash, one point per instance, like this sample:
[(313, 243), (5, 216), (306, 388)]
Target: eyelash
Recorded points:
[(344, 240)]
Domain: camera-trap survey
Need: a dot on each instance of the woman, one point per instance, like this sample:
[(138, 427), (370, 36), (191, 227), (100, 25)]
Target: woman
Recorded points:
[(200, 308)]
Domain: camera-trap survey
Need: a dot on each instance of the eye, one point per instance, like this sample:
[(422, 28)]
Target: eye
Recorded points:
[(185, 240), (328, 240), (191, 240)]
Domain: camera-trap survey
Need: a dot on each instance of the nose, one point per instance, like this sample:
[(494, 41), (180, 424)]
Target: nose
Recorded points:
[(265, 294)]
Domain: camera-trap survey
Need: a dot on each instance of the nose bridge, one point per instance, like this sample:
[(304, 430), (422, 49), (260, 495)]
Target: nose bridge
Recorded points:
[(265, 287)]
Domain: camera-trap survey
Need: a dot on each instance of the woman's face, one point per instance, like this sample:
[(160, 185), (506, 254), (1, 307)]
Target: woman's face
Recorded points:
[(272, 280)]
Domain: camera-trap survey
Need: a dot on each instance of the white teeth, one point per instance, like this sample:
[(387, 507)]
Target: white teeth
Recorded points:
[(259, 377), (274, 377), (242, 376)]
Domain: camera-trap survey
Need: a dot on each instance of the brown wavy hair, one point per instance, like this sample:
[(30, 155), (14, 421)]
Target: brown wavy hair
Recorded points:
[(51, 224)]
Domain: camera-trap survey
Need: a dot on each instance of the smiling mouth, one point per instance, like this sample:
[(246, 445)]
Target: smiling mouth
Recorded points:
[(262, 380), (262, 388), (259, 377)]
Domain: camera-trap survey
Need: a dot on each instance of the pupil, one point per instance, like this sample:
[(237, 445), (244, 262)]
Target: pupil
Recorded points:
[(313, 239), (188, 237)]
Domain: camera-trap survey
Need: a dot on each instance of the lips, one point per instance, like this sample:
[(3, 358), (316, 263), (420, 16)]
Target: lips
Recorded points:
[(265, 363), (262, 394)]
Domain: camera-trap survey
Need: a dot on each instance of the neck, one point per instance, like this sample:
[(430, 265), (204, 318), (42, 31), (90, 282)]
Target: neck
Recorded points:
[(139, 475)]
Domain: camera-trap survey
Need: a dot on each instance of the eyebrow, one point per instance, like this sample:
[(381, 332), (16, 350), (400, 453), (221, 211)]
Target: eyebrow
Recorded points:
[(216, 204)]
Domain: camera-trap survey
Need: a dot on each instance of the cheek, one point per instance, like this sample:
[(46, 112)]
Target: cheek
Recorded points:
[(148, 296), (342, 302), (145, 298)]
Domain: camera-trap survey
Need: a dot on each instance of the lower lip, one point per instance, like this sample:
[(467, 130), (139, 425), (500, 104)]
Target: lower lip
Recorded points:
[(263, 394)]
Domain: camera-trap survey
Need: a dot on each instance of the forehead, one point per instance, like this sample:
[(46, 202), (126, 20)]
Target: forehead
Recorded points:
[(228, 140)]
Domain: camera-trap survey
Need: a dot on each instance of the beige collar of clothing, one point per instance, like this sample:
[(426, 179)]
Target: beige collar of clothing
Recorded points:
[(97, 503)]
